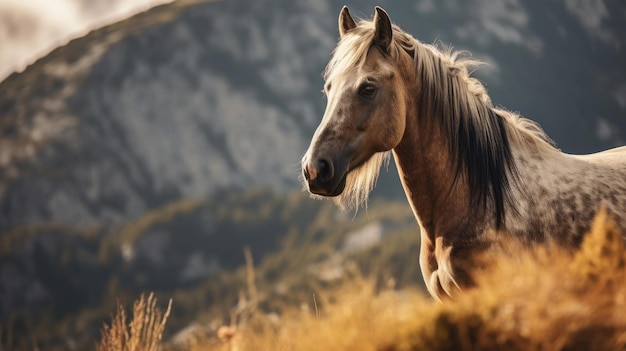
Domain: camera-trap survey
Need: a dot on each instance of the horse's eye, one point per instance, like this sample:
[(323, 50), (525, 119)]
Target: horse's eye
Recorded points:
[(367, 90)]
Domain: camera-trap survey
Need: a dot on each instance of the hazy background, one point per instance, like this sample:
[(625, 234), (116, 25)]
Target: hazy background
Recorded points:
[(145, 155)]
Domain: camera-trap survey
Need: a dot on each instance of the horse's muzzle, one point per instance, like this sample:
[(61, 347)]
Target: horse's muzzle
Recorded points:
[(321, 177)]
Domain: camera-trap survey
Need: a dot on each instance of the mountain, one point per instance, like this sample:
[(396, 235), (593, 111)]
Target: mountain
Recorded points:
[(174, 110)]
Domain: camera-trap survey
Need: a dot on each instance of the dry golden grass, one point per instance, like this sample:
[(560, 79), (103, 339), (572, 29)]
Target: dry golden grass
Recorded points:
[(546, 299), (143, 333)]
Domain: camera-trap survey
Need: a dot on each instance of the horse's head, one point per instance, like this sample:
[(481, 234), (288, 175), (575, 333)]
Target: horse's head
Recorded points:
[(365, 112)]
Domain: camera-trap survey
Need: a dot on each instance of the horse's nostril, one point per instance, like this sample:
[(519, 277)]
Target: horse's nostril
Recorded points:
[(325, 170), (305, 172), (320, 170)]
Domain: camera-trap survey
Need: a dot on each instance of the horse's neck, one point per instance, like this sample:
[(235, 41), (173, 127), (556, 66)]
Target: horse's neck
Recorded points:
[(441, 206), (440, 203)]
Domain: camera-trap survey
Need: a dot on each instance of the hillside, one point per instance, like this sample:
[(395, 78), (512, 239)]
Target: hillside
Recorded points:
[(145, 155)]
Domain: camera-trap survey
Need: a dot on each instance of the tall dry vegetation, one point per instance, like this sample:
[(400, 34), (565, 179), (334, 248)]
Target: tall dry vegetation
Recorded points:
[(142, 333), (545, 299)]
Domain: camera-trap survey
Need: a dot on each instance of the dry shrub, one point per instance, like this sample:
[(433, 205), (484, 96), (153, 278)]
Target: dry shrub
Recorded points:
[(544, 299), (143, 333), (550, 299)]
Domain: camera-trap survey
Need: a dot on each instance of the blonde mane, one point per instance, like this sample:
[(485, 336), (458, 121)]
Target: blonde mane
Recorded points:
[(444, 73), (352, 49)]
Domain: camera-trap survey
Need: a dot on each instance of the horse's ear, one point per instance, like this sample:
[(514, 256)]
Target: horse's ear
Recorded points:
[(383, 32), (346, 23)]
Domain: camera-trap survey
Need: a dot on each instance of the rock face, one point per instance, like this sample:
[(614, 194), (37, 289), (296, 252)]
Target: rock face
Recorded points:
[(218, 99), (194, 100)]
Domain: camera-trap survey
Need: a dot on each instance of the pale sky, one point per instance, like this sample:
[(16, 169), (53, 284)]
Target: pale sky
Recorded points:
[(29, 29)]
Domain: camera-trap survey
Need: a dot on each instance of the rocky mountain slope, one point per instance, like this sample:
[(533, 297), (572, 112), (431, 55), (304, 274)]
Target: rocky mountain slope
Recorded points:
[(182, 101)]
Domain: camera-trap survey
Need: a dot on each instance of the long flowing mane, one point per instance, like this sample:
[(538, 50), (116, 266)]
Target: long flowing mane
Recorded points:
[(479, 134)]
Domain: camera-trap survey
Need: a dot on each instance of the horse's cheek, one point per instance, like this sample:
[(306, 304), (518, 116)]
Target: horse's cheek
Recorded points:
[(397, 118), (394, 130)]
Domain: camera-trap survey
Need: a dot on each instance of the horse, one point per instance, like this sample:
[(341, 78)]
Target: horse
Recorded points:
[(474, 174)]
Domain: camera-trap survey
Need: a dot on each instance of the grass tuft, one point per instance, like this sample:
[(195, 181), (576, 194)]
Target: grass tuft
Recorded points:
[(143, 333)]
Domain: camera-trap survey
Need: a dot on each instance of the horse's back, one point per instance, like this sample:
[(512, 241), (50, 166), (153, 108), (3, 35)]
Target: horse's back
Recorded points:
[(615, 156)]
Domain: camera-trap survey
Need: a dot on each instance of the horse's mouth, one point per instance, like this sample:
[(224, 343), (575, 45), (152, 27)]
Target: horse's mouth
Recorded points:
[(329, 189)]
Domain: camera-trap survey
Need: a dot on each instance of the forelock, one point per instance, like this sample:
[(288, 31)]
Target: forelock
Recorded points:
[(351, 50)]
